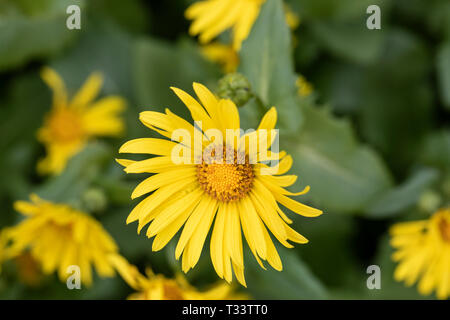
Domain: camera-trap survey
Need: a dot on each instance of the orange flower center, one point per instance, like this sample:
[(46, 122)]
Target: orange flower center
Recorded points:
[(226, 180), (65, 125)]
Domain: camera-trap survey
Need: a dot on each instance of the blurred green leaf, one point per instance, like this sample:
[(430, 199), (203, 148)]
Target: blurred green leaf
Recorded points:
[(132, 17), (33, 29), (403, 196), (397, 100), (19, 121), (443, 69), (266, 61), (352, 41), (344, 175), (101, 45), (436, 150), (342, 10), (157, 65), (81, 170), (296, 281)]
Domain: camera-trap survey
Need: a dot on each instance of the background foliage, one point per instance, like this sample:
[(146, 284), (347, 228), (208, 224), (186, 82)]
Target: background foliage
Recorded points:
[(372, 141)]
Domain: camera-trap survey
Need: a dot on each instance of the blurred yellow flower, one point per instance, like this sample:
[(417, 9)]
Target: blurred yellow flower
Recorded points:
[(70, 125), (292, 18), (304, 88), (222, 54), (158, 287), (212, 17), (58, 236), (236, 193), (423, 252)]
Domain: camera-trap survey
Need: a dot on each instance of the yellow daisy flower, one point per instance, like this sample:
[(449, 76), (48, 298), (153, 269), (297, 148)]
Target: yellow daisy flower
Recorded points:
[(212, 17), (304, 88), (237, 194), (158, 287), (58, 236), (222, 54), (70, 125), (423, 252)]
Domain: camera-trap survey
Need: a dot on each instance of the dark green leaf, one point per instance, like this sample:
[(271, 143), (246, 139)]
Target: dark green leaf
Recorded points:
[(33, 29), (443, 68)]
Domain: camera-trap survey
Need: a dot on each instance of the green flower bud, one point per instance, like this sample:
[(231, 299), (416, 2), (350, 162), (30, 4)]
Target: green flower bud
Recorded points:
[(94, 200), (429, 201), (235, 86)]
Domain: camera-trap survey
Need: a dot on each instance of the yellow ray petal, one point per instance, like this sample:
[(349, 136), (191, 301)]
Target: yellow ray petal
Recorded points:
[(216, 244), (154, 146), (161, 179), (88, 91), (54, 81), (297, 207), (191, 225), (198, 238)]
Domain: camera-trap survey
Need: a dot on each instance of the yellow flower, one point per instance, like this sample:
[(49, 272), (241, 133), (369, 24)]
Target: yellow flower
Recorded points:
[(70, 125), (222, 54), (423, 252), (303, 86), (158, 287), (58, 236), (212, 17), (237, 194)]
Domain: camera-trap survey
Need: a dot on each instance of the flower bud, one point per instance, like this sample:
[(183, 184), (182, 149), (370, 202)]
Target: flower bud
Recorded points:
[(94, 200), (235, 86)]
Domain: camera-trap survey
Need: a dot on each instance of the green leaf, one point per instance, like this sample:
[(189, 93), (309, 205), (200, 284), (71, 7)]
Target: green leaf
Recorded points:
[(443, 69), (81, 170), (99, 49), (352, 41), (397, 99), (18, 127), (296, 281), (344, 175), (403, 196), (266, 61), (159, 65), (132, 17), (436, 150), (342, 10), (33, 29)]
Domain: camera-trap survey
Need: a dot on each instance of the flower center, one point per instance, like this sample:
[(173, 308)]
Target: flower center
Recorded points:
[(223, 179), (444, 228), (65, 125)]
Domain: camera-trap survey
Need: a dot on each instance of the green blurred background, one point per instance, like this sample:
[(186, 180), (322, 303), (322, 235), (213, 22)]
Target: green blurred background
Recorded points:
[(372, 141)]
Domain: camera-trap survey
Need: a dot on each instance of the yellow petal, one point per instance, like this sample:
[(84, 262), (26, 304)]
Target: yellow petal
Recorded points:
[(54, 81), (88, 91), (154, 146), (297, 207)]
